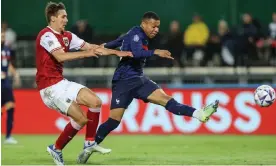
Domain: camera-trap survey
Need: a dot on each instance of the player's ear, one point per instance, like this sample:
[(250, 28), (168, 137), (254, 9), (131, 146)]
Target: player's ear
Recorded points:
[(143, 24), (53, 18)]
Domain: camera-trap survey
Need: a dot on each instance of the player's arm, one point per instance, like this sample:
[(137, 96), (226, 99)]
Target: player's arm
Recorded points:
[(13, 71), (139, 52), (114, 44), (62, 56), (15, 74), (51, 44), (137, 48), (78, 43), (100, 50), (88, 46), (104, 51)]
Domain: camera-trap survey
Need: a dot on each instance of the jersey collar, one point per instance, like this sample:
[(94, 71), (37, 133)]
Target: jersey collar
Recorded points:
[(53, 30)]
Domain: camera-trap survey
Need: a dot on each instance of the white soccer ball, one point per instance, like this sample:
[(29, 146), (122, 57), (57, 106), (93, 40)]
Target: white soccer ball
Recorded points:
[(264, 95)]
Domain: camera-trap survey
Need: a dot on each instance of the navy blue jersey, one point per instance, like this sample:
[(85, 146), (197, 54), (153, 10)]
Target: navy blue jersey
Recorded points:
[(136, 42), (5, 62)]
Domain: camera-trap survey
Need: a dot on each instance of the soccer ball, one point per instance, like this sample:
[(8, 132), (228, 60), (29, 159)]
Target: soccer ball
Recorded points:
[(264, 95)]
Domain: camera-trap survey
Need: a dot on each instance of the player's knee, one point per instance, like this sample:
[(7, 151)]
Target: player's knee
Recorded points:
[(82, 121), (9, 105), (95, 103), (98, 103)]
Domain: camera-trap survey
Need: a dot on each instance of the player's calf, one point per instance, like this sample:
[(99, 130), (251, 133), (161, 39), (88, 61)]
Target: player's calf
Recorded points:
[(70, 130), (105, 129)]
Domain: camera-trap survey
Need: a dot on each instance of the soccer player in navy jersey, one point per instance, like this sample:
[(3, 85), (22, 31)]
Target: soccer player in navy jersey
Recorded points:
[(129, 82), (7, 97)]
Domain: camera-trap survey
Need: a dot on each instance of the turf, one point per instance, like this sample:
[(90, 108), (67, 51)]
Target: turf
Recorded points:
[(150, 150)]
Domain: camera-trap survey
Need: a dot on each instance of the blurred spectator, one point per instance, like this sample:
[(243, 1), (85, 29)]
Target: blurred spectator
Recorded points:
[(268, 43), (220, 48), (195, 39), (272, 27), (174, 42), (84, 31), (248, 33), (10, 40), (171, 41), (228, 44), (272, 38)]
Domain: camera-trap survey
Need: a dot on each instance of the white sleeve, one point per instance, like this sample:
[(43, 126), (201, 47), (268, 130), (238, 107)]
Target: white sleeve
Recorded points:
[(50, 42), (76, 42)]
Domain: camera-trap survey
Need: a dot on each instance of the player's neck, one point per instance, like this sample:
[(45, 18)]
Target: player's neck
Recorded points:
[(54, 28)]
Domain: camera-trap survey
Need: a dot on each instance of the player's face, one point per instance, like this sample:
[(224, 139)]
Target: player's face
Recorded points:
[(61, 20), (151, 27)]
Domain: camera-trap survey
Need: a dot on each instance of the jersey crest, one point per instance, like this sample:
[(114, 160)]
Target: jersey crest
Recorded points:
[(136, 38), (66, 41)]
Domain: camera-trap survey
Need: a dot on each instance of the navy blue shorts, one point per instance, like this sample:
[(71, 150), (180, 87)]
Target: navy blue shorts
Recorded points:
[(124, 91), (6, 95)]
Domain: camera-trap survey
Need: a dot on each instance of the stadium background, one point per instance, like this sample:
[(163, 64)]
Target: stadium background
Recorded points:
[(190, 80)]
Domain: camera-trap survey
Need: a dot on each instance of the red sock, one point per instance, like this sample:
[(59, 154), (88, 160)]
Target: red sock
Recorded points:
[(93, 116), (68, 133)]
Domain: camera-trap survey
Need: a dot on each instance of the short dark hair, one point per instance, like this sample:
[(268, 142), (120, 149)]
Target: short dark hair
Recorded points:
[(150, 15), (52, 9)]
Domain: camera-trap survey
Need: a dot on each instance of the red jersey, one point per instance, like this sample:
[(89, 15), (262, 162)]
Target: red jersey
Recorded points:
[(49, 70)]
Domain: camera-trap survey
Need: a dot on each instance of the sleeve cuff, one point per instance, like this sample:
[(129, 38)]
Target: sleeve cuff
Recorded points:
[(152, 52), (82, 44), (55, 49)]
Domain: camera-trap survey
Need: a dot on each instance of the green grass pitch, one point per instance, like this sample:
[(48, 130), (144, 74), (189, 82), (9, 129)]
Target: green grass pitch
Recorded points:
[(150, 150)]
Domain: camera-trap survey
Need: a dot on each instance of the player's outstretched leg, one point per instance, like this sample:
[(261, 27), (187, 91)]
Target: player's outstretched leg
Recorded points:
[(76, 123), (90, 99), (202, 115), (161, 98)]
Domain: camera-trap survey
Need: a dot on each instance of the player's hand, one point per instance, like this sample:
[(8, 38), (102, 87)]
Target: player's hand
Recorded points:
[(102, 51), (16, 80), (124, 54), (163, 53), (90, 53)]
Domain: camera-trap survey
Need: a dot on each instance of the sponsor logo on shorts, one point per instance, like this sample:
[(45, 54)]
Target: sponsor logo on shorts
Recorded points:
[(117, 101)]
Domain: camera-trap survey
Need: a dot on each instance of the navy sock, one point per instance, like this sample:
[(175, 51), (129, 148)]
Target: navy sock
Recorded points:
[(179, 109), (105, 129), (10, 113)]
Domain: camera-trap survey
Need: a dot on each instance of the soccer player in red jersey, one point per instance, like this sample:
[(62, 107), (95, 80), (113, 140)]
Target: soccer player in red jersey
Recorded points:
[(52, 46)]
